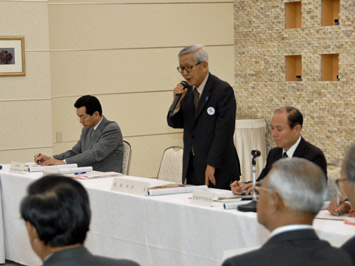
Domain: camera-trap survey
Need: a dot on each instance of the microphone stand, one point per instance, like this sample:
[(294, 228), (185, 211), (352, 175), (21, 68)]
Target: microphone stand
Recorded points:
[(251, 206)]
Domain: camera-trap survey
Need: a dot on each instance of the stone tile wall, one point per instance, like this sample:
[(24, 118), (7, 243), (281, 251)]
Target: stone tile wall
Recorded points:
[(261, 44)]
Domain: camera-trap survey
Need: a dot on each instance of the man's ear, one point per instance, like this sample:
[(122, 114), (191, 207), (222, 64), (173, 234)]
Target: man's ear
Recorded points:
[(276, 202), (96, 114), (31, 230), (205, 66), (298, 128)]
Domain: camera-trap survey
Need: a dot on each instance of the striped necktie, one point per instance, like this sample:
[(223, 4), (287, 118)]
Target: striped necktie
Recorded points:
[(196, 98)]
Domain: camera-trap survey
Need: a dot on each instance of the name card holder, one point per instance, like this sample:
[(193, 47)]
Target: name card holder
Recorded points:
[(17, 167), (130, 186), (202, 198)]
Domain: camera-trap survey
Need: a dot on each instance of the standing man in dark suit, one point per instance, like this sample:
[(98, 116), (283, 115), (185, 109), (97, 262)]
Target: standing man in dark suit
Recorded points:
[(57, 215), (286, 126), (206, 111), (100, 144), (289, 199)]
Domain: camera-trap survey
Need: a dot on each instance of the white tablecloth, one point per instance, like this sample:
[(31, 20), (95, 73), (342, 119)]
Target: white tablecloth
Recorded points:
[(250, 135), (159, 230), (2, 242)]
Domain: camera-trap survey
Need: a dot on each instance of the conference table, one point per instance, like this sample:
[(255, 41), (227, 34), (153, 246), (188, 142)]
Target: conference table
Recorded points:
[(151, 230)]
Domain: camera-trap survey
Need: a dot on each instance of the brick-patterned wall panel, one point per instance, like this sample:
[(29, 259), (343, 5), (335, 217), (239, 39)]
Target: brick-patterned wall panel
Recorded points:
[(261, 44)]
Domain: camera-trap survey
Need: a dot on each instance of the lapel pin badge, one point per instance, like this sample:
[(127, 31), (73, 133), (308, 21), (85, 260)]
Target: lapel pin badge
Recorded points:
[(210, 111)]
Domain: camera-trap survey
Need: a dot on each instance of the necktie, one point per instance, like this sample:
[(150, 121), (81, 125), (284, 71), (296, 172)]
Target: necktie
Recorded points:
[(284, 155), (196, 98)]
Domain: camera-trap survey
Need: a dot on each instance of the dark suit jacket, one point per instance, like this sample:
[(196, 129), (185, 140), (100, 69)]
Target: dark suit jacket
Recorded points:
[(80, 256), (293, 248), (304, 150), (349, 246), (103, 151), (210, 130)]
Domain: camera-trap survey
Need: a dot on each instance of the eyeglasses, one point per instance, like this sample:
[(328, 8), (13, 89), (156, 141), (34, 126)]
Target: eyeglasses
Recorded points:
[(188, 69), (340, 180)]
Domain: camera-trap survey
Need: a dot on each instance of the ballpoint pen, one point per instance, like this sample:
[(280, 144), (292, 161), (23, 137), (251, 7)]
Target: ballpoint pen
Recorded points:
[(338, 201), (39, 154), (79, 173)]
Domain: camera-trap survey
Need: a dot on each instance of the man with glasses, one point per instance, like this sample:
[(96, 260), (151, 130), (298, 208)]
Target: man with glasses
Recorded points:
[(206, 111), (347, 185), (289, 199), (286, 127), (100, 144)]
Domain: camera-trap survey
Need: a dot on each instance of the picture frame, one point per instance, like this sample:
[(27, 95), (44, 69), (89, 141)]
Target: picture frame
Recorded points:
[(12, 56)]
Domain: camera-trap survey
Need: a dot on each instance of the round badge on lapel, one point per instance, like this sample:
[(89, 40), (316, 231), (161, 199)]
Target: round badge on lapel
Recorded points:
[(210, 111)]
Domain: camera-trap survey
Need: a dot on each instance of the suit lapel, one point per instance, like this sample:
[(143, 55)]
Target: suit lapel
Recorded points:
[(96, 133), (206, 94)]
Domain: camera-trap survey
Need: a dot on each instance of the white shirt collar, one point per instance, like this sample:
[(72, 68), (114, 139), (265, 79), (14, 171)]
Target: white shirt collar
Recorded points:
[(202, 85), (95, 127), (291, 150), (291, 227)]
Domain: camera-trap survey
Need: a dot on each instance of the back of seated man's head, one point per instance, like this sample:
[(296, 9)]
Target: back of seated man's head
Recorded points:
[(295, 188), (58, 208), (91, 103)]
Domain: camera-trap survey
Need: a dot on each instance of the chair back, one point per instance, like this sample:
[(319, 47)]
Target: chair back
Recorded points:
[(171, 164), (126, 157)]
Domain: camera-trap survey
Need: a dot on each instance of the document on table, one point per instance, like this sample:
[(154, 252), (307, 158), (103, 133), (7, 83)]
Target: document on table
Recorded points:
[(324, 214)]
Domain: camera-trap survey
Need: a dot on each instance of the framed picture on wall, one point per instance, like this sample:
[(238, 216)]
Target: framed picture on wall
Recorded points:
[(12, 56)]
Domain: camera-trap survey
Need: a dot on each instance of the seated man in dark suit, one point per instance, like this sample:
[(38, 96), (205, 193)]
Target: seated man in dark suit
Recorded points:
[(286, 126), (100, 144), (347, 184), (57, 214), (289, 199)]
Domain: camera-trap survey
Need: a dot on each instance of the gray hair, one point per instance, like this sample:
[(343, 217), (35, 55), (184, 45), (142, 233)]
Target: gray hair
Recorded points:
[(199, 51), (300, 183), (349, 164)]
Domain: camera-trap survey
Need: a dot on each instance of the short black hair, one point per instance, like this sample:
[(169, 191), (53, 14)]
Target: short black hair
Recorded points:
[(91, 103), (294, 116), (58, 207)]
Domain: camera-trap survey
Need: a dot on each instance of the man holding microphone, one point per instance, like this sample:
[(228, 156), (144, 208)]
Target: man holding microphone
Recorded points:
[(206, 111)]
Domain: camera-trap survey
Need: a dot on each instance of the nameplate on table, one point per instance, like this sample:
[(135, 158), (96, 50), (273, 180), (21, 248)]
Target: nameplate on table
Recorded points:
[(17, 167), (202, 198), (130, 186)]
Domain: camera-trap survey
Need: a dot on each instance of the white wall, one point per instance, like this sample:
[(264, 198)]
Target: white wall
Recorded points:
[(125, 53), (25, 101)]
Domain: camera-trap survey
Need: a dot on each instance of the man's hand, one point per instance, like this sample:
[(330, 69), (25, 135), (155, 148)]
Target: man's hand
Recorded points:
[(209, 175), (41, 158), (337, 210), (45, 160), (239, 188), (179, 89), (236, 187), (351, 212)]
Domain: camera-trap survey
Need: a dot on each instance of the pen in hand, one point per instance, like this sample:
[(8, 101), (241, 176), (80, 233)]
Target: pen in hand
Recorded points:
[(338, 201), (39, 154)]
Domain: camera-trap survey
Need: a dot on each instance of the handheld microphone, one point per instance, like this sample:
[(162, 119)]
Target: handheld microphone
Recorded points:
[(177, 98), (255, 153)]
